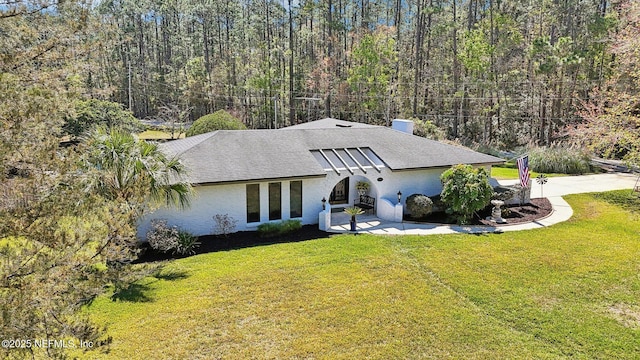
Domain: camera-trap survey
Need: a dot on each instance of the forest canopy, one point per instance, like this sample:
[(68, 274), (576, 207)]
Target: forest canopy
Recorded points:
[(501, 72)]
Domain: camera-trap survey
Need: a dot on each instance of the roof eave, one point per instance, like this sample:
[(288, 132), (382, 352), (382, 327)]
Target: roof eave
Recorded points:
[(248, 181), (443, 166)]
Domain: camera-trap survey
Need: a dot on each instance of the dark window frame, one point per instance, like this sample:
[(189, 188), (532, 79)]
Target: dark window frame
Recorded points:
[(275, 201), (295, 202), (253, 203)]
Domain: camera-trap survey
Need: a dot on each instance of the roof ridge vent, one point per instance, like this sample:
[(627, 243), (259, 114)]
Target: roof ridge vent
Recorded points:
[(343, 125)]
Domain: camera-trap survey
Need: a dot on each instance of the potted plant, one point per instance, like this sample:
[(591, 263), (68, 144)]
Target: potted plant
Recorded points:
[(362, 187), (353, 211)]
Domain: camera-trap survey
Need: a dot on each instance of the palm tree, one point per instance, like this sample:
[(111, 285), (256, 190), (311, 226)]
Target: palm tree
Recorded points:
[(135, 171)]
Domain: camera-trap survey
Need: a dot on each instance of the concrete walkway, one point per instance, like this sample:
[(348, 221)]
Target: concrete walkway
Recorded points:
[(554, 190)]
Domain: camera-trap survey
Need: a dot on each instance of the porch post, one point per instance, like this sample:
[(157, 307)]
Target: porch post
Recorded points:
[(324, 219), (398, 212)]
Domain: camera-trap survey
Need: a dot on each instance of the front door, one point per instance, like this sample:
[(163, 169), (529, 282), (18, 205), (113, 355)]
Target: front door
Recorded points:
[(340, 192)]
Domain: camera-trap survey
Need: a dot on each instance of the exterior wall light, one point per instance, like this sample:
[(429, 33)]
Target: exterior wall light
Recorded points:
[(324, 203), (399, 196)]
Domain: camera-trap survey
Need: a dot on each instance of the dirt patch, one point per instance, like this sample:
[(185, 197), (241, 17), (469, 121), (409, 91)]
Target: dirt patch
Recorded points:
[(627, 315), (547, 303)]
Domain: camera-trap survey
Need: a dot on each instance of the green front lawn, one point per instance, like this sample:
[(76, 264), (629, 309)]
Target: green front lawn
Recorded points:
[(510, 173), (571, 290), (158, 135)]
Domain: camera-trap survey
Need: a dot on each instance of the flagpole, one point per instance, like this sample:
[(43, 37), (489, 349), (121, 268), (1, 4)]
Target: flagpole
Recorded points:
[(523, 175)]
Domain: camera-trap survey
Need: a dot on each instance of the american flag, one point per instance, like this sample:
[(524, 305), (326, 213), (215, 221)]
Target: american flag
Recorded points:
[(523, 170)]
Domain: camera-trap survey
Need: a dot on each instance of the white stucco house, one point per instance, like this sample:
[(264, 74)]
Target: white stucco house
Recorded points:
[(257, 176)]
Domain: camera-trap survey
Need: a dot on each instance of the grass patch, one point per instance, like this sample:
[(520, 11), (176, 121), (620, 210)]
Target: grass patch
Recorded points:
[(571, 290), (509, 171), (626, 199), (157, 134)]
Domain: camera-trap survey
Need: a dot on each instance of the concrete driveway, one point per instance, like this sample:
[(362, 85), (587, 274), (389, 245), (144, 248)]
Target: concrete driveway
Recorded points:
[(565, 185)]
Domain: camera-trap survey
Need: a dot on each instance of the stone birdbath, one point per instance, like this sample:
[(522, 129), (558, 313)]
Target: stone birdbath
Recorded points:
[(496, 212)]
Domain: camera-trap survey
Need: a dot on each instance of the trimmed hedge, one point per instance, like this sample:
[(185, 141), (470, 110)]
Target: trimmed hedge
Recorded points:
[(273, 229)]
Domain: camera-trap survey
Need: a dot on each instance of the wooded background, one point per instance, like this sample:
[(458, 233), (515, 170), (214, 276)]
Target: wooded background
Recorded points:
[(486, 70)]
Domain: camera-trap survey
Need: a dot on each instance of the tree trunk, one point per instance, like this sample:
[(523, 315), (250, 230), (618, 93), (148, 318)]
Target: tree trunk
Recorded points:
[(457, 104), (418, 55), (292, 110), (327, 102)]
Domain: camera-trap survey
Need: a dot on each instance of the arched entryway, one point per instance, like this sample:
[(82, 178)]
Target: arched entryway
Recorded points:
[(345, 193), (340, 193)]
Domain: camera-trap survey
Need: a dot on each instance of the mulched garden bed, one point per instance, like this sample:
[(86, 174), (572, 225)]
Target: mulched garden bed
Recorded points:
[(238, 240), (537, 209)]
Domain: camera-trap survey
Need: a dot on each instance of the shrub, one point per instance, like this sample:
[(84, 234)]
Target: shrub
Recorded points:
[(269, 229), (219, 120), (289, 226), (559, 160), (165, 238), (419, 205), (273, 229), (162, 237), (224, 224), (186, 244), (427, 129), (438, 205), (465, 190)]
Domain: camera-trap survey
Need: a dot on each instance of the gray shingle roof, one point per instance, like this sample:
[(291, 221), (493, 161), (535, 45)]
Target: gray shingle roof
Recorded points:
[(245, 155), (328, 123)]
